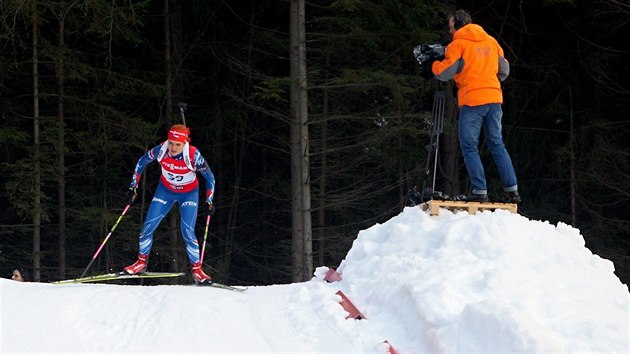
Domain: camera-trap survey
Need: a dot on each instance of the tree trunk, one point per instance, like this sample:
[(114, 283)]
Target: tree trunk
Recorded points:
[(37, 184), (573, 179), (321, 212), (304, 148), (61, 144), (302, 248)]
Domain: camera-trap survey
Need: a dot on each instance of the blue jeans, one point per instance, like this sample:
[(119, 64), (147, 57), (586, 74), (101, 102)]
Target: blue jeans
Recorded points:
[(471, 121), (163, 200)]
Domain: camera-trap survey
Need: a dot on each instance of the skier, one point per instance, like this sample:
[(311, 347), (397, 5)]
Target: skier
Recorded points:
[(179, 161), (475, 61)]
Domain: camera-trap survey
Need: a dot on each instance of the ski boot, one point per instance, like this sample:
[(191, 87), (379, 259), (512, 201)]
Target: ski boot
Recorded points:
[(139, 267), (200, 277)]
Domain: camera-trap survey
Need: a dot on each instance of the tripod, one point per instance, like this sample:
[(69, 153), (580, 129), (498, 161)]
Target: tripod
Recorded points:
[(437, 127)]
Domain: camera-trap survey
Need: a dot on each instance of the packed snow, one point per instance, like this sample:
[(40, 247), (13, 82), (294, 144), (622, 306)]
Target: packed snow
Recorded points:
[(493, 282)]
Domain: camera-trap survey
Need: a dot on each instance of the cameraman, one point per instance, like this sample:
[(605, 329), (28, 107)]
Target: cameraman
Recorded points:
[(475, 61)]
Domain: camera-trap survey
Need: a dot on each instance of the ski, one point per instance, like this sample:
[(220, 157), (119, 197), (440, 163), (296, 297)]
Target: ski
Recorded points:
[(224, 286), (146, 275), (118, 276)]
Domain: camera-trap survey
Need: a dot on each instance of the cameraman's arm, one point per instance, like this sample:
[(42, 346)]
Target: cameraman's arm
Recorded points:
[(504, 66), (445, 70)]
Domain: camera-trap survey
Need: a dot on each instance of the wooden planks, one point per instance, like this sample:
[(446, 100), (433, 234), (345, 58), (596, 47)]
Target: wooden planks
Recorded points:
[(433, 206)]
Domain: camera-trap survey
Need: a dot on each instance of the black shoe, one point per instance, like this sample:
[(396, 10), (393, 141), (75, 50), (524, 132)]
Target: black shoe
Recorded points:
[(472, 198), (512, 197)]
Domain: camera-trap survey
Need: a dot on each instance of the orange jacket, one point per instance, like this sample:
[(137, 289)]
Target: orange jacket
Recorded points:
[(475, 61)]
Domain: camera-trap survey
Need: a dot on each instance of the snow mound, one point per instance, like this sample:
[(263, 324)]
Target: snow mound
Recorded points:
[(490, 282)]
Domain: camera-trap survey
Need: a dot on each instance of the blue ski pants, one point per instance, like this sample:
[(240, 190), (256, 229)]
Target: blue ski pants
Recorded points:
[(162, 202)]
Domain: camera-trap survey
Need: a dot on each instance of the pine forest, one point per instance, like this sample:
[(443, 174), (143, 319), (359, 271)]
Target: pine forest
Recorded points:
[(313, 116)]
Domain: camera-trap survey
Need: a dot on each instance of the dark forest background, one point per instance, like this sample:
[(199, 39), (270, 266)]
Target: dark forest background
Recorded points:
[(87, 86)]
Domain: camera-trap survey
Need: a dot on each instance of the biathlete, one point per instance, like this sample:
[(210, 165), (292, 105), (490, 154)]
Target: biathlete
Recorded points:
[(179, 184)]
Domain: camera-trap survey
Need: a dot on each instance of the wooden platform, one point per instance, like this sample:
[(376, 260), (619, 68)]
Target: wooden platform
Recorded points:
[(471, 207)]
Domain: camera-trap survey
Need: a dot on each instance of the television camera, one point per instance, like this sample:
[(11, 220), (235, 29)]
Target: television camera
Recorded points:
[(427, 53)]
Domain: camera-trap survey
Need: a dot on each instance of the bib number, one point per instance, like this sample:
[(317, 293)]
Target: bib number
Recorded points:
[(179, 179)]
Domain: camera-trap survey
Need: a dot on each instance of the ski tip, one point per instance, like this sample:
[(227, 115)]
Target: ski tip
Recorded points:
[(212, 284), (228, 287)]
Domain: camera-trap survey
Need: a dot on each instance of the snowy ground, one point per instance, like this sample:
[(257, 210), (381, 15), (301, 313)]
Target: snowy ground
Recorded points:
[(456, 283)]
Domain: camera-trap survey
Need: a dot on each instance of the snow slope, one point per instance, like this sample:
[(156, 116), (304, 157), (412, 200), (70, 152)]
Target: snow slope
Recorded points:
[(494, 282)]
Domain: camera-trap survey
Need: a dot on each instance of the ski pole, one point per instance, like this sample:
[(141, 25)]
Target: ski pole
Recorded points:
[(205, 235), (105, 240), (182, 107)]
